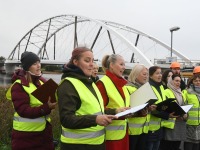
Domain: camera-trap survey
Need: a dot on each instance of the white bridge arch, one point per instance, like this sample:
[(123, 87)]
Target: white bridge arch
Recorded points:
[(53, 40)]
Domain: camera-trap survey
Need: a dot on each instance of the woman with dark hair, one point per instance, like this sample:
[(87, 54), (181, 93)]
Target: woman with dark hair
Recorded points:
[(175, 131), (165, 77), (155, 133), (192, 96), (31, 122), (80, 104)]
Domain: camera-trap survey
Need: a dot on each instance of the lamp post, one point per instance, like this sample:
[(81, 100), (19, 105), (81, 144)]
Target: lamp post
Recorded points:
[(171, 30)]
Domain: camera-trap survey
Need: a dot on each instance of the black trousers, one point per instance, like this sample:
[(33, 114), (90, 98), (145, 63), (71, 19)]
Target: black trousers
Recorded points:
[(191, 146), (137, 142), (169, 145)]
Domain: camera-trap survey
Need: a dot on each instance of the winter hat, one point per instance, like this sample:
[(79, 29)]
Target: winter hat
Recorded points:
[(28, 59)]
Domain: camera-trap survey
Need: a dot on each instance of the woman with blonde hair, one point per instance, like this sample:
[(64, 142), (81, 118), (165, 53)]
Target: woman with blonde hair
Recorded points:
[(138, 124), (116, 99)]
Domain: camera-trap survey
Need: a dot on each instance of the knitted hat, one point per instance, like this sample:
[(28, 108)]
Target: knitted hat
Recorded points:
[(28, 59)]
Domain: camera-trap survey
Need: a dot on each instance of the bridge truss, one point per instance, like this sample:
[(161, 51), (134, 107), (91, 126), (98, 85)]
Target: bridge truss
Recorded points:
[(54, 39)]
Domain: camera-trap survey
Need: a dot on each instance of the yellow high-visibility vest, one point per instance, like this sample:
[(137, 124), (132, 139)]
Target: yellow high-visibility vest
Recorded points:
[(155, 122), (137, 125), (117, 129), (171, 121), (90, 105), (194, 112), (27, 124)]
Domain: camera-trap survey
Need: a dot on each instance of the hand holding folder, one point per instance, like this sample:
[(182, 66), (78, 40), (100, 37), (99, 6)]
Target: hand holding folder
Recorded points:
[(45, 91), (170, 106)]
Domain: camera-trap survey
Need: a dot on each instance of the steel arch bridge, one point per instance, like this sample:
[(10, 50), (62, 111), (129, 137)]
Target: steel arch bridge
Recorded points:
[(54, 39)]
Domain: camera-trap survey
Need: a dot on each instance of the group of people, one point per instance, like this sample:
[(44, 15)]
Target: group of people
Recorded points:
[(88, 106)]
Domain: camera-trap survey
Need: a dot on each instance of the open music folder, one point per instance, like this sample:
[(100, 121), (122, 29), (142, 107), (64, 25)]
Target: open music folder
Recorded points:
[(45, 91), (143, 95), (170, 106), (131, 110)]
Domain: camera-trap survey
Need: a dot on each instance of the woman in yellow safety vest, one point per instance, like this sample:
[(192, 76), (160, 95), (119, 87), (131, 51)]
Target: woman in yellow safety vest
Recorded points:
[(116, 98), (139, 124), (192, 96), (175, 129), (155, 133), (31, 124), (80, 104)]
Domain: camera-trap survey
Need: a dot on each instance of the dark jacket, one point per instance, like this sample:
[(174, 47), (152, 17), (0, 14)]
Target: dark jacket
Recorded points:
[(21, 102), (69, 102)]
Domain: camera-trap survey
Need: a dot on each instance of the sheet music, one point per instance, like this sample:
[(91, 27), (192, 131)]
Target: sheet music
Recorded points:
[(142, 95), (132, 110), (186, 108)]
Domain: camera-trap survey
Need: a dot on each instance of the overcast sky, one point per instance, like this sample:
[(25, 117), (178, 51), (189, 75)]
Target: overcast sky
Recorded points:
[(153, 17)]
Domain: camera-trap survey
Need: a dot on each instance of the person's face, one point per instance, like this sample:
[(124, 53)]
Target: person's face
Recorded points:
[(35, 68), (143, 76), (95, 70), (85, 63), (177, 82), (196, 82), (169, 75), (176, 71), (118, 67), (157, 76)]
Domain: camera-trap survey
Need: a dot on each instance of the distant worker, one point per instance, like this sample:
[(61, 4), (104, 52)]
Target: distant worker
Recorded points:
[(80, 104), (95, 70), (31, 122), (196, 70), (176, 68)]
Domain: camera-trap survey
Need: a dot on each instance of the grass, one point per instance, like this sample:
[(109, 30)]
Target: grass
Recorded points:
[(6, 115)]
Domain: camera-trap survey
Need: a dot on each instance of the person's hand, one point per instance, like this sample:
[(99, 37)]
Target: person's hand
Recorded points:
[(171, 115), (152, 107), (50, 104), (104, 120), (144, 111), (121, 109), (183, 118)]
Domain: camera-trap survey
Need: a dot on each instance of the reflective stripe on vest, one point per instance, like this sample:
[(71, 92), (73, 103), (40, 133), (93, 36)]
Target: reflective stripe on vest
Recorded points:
[(21, 119), (194, 112), (27, 124), (90, 106), (87, 135), (155, 122), (115, 101), (137, 125)]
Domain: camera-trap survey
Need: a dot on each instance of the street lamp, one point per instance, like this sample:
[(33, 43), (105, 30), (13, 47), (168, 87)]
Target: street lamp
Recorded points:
[(171, 30)]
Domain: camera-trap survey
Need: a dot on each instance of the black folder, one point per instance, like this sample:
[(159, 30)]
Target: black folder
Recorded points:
[(151, 102), (45, 91), (170, 106)]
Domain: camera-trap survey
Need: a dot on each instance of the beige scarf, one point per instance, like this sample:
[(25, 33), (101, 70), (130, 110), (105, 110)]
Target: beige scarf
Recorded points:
[(177, 92)]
